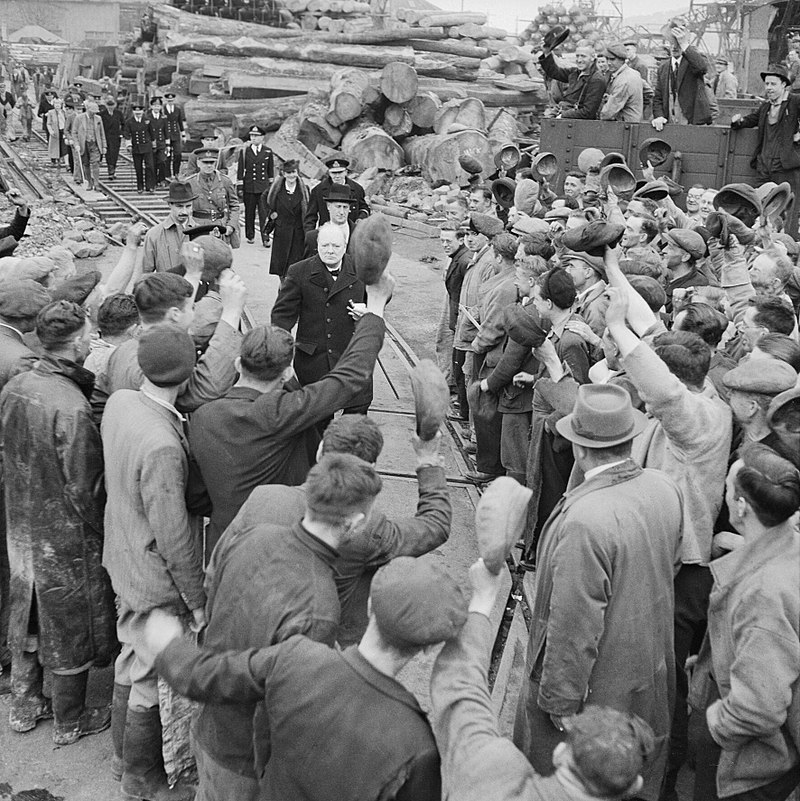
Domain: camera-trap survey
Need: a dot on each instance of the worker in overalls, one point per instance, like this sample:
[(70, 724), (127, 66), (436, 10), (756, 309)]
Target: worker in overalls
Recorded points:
[(216, 199)]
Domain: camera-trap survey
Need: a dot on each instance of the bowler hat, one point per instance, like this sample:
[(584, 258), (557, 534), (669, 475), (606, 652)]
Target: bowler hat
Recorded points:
[(503, 192), (555, 36), (603, 416), (590, 158), (654, 150), (180, 192), (687, 240), (740, 200), (617, 176), (779, 71), (507, 147), (593, 237), (545, 165), (338, 193), (470, 164), (416, 602)]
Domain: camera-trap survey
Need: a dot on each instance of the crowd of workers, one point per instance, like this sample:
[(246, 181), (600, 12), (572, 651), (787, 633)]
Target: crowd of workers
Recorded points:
[(629, 353)]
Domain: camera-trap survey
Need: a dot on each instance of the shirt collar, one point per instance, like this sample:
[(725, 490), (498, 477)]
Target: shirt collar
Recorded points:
[(595, 471), (164, 405), (781, 99), (321, 549)]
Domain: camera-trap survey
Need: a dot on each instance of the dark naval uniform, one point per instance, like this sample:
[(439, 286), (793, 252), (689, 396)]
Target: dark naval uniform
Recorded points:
[(158, 133), (142, 151), (255, 173), (216, 201), (176, 123)]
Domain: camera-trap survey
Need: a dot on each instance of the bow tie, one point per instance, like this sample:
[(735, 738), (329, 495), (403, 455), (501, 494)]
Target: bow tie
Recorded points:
[(334, 273)]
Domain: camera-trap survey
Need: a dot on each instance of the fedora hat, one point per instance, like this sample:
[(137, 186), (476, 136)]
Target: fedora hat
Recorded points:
[(779, 71), (338, 193), (654, 150), (180, 192), (503, 192), (470, 164), (612, 158), (545, 165), (777, 200), (603, 416), (593, 237), (555, 36), (590, 158), (617, 176), (740, 200)]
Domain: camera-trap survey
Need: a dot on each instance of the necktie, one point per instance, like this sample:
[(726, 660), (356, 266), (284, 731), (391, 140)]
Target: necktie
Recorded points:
[(334, 273)]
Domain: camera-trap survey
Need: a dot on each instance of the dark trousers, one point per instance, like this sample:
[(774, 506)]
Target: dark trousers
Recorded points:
[(112, 153), (792, 177), (707, 754), (253, 202), (173, 167), (160, 164), (459, 357), (488, 431), (143, 165), (692, 588), (514, 443), (5, 585)]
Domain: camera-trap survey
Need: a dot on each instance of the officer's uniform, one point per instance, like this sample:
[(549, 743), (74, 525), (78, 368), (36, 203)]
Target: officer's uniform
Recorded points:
[(175, 127), (216, 201), (255, 173), (141, 140), (158, 133)]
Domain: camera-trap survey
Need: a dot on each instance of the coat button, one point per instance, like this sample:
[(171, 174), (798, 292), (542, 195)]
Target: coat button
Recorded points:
[(329, 336)]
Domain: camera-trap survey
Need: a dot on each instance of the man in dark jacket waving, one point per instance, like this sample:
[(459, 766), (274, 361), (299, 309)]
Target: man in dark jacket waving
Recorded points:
[(585, 86)]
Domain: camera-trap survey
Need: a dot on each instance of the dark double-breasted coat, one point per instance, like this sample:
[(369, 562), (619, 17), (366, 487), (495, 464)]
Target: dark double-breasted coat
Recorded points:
[(318, 305), (288, 240), (255, 170), (140, 135), (53, 475), (317, 212)]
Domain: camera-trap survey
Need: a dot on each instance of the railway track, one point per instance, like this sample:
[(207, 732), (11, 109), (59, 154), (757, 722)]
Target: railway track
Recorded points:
[(120, 202)]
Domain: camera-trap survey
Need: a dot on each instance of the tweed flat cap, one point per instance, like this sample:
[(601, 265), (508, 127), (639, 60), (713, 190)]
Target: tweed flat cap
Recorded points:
[(166, 355), (595, 262), (687, 240), (22, 299), (485, 224), (416, 602), (617, 51), (764, 376), (655, 190), (593, 237), (530, 225), (77, 288)]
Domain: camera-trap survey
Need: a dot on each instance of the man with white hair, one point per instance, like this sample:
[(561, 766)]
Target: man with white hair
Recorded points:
[(585, 86), (90, 142)]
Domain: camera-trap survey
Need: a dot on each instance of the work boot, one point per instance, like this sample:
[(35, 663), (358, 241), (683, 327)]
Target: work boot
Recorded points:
[(28, 704), (143, 775), (73, 719), (119, 711)]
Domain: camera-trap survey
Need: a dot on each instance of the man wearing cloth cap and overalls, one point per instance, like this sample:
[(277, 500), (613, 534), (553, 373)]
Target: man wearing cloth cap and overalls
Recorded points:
[(377, 742), (777, 154), (215, 196), (254, 173), (137, 131), (317, 213), (177, 133)]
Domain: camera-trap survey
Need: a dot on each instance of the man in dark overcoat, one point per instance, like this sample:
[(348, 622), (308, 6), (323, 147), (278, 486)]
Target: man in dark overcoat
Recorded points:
[(317, 212), (317, 295), (777, 154), (339, 201), (62, 604)]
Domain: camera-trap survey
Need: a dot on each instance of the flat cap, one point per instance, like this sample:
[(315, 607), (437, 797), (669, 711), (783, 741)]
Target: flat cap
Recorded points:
[(530, 225), (617, 51), (22, 299), (217, 255), (470, 164), (416, 602), (595, 262), (77, 288), (557, 286), (593, 237), (485, 224), (524, 325), (687, 240), (561, 213), (764, 376), (655, 190), (166, 355)]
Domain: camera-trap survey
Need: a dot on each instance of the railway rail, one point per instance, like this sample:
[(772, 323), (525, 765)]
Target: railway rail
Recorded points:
[(120, 202)]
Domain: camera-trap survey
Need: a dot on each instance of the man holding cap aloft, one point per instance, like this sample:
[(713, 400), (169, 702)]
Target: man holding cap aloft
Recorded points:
[(255, 173), (350, 700)]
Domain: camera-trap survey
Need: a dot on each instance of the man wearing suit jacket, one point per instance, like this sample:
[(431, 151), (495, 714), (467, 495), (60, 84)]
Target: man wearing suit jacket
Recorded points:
[(317, 295), (177, 133), (338, 202), (680, 93), (254, 174), (90, 142), (777, 154), (158, 133), (317, 212)]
